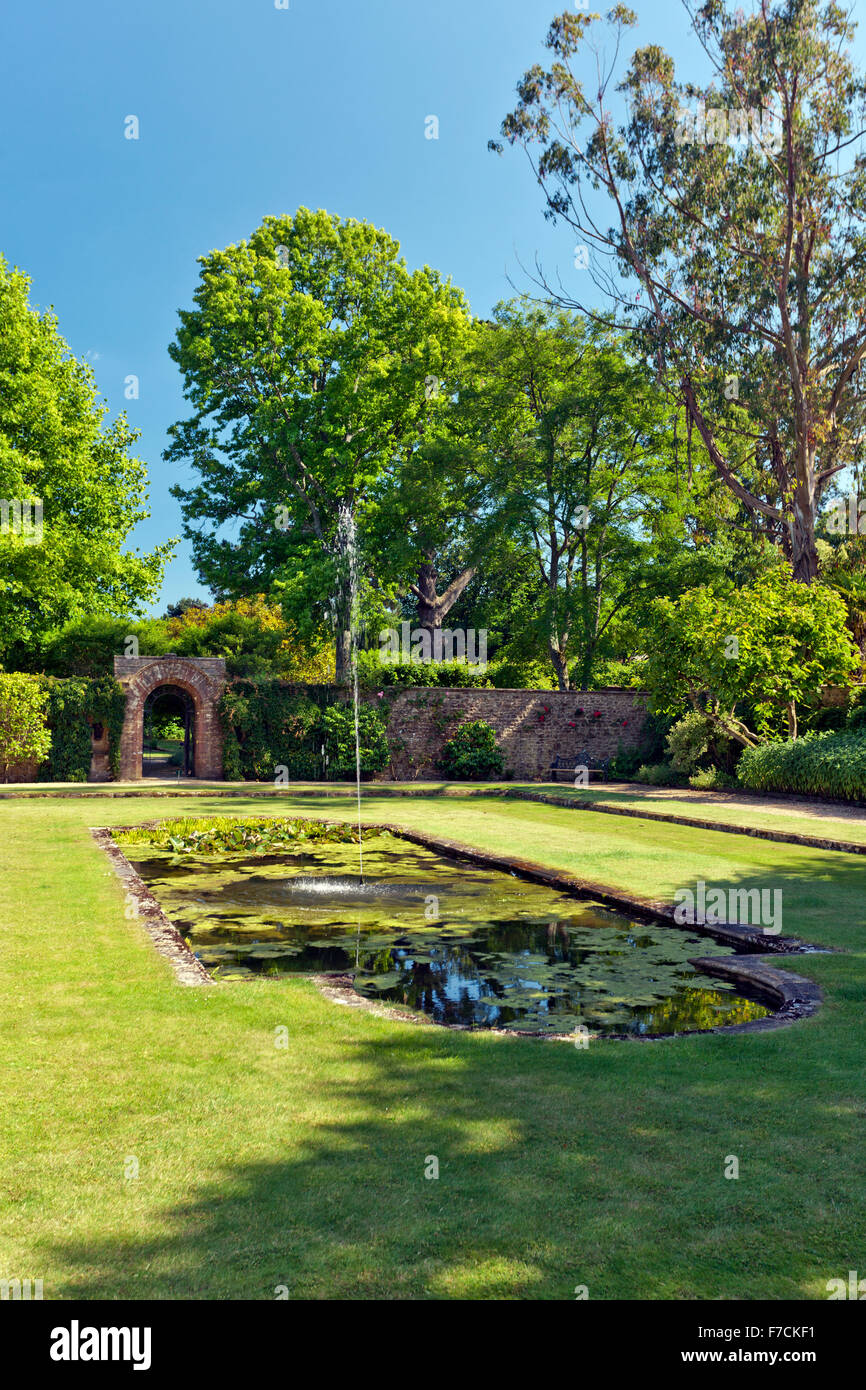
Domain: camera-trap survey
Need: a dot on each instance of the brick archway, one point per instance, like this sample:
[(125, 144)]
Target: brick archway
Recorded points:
[(203, 678)]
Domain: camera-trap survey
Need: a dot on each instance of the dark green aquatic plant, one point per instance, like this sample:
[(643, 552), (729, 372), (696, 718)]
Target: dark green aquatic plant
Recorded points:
[(192, 835)]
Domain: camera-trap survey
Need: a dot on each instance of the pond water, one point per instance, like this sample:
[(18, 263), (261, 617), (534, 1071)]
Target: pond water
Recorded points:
[(465, 945)]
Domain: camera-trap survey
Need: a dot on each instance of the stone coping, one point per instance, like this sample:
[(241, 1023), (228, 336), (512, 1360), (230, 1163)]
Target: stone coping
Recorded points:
[(158, 925), (792, 996), (785, 837)]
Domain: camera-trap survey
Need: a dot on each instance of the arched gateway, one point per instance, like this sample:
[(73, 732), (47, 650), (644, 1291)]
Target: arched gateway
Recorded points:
[(201, 678)]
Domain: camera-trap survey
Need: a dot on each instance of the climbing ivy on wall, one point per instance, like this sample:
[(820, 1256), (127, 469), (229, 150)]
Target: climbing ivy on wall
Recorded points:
[(268, 724), (73, 706)]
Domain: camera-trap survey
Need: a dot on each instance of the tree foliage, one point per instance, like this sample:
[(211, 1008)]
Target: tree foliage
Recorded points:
[(572, 441), (306, 361), (24, 732), (735, 249), (56, 446), (747, 658)]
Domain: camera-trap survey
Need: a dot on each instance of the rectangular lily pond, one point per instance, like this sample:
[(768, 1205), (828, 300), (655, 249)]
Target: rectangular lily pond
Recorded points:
[(477, 947)]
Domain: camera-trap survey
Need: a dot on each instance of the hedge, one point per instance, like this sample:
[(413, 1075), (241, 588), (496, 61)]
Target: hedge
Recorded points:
[(829, 764), (50, 719)]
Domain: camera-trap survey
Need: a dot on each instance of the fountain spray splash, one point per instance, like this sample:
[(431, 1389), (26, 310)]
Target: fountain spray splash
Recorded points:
[(348, 548)]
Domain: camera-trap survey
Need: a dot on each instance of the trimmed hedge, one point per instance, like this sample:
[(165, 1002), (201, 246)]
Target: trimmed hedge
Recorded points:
[(830, 764)]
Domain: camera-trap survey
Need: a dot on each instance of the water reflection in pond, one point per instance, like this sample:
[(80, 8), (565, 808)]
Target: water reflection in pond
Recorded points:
[(463, 944)]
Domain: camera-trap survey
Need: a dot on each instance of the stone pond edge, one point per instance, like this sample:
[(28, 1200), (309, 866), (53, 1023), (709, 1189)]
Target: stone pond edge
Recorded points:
[(793, 996)]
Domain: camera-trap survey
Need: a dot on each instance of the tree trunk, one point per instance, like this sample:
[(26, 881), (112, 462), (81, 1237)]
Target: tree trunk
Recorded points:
[(560, 668), (792, 719), (429, 613), (804, 552), (433, 607)]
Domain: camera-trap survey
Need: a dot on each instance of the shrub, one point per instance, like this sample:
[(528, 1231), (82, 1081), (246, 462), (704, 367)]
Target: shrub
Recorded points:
[(625, 762), (374, 673), (88, 645), (831, 764), (688, 741), (520, 675), (712, 779), (338, 732), (857, 714), (168, 728), (659, 775), (24, 732), (630, 673), (472, 752), (255, 640)]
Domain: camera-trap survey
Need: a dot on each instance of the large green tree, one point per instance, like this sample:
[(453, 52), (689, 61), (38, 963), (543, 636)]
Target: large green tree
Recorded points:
[(310, 361), (573, 442), (726, 220), (57, 449)]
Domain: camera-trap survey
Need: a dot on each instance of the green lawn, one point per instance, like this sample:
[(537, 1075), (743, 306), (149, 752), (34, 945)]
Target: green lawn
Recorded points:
[(261, 1166), (803, 816)]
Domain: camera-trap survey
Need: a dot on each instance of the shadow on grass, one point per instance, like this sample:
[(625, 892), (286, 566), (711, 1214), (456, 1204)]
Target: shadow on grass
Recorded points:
[(558, 1166)]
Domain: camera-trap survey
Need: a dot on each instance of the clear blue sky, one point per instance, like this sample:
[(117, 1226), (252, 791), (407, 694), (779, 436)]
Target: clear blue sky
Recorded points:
[(247, 110)]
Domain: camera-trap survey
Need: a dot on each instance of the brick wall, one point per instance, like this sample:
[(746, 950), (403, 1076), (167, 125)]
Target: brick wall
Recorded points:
[(26, 770), (202, 677), (533, 726)]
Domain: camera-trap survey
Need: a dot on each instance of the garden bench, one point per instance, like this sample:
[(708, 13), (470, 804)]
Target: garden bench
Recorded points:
[(569, 765)]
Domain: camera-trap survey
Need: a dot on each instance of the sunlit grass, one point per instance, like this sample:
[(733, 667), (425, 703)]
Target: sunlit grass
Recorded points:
[(304, 1165)]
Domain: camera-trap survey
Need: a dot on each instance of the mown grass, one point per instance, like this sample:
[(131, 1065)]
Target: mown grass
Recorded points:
[(803, 816), (303, 1166)]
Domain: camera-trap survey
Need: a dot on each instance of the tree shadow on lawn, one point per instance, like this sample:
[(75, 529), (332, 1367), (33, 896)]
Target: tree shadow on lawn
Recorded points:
[(558, 1166)]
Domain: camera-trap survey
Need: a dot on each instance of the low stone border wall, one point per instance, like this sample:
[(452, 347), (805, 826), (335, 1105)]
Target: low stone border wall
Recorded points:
[(159, 927), (794, 996), (252, 790), (784, 837)]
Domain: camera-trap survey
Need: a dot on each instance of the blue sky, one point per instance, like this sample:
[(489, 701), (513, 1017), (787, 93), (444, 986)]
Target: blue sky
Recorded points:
[(247, 110)]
